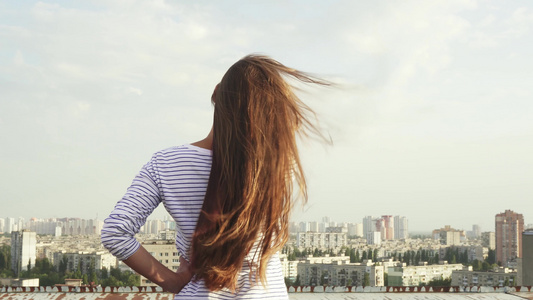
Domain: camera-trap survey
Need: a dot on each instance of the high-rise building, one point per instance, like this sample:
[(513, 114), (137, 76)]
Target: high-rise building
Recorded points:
[(400, 227), (488, 239), (447, 235), (23, 250), (9, 224), (387, 227), (476, 230), (509, 228), (527, 259)]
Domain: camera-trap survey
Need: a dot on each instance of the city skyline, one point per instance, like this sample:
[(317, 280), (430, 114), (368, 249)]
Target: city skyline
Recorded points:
[(430, 118), (399, 224)]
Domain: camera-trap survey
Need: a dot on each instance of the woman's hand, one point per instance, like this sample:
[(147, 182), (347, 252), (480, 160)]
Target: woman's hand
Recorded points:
[(182, 276), (145, 264)]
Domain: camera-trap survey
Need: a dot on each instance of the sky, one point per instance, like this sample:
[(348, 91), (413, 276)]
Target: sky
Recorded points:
[(431, 116)]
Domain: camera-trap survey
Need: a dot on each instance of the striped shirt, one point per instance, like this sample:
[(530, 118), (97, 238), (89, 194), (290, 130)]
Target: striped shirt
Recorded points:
[(178, 178)]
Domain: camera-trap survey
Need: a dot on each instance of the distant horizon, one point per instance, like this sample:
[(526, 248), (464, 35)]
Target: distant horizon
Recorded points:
[(156, 216)]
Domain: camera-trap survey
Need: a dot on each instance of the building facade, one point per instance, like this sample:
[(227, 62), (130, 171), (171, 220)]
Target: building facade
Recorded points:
[(527, 259), (488, 239), (448, 236), (400, 228), (420, 275), (338, 271), (509, 228), (326, 240), (165, 252), (85, 261), (289, 268), (468, 277), (23, 250)]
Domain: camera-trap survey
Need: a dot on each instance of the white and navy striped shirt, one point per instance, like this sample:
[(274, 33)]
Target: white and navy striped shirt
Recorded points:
[(178, 178)]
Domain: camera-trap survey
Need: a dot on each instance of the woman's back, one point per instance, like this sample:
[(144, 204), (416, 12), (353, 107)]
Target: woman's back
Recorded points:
[(232, 203), (182, 174)]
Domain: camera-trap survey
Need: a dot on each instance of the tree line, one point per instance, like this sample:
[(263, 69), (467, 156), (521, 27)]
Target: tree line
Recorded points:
[(410, 257), (50, 275)]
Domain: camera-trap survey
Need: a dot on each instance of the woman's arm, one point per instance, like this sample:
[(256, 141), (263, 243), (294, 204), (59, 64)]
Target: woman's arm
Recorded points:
[(146, 265), (126, 219)]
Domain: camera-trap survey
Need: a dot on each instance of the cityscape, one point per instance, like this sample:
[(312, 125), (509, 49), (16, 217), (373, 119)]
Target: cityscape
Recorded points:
[(378, 251)]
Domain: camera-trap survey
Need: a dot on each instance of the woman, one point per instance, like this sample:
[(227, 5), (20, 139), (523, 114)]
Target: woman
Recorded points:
[(230, 193)]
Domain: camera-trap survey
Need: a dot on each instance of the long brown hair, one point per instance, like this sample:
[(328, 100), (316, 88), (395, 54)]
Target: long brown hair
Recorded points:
[(255, 164)]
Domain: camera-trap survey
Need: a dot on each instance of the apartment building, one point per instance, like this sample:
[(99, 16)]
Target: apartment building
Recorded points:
[(165, 252), (509, 228), (23, 250), (321, 240), (289, 268), (85, 260), (468, 277), (338, 271), (527, 259), (417, 275)]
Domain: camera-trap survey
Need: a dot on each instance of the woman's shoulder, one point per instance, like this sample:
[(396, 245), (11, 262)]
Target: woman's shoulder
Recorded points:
[(179, 154), (183, 149)]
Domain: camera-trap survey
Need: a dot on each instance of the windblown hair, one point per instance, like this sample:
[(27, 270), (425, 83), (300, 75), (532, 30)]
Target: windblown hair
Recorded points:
[(255, 166)]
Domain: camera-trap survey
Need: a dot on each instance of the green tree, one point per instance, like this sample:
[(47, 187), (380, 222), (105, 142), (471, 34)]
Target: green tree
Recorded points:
[(353, 255), (297, 252), (506, 282), (357, 257), (324, 278), (63, 264), (417, 258), (366, 280), (349, 282), (133, 280), (491, 257), (112, 281), (477, 265), (297, 281), (440, 282)]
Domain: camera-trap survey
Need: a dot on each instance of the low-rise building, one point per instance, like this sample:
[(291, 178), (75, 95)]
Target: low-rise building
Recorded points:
[(321, 240), (499, 277), (85, 261), (419, 275), (338, 271), (289, 268)]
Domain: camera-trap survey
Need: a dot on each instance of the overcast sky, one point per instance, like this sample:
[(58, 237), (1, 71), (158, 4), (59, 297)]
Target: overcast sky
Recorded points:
[(432, 118)]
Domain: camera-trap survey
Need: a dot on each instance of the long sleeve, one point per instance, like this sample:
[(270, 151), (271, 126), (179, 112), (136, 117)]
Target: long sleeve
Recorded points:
[(131, 212)]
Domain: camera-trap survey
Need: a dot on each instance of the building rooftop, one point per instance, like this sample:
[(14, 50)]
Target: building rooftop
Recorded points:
[(303, 293)]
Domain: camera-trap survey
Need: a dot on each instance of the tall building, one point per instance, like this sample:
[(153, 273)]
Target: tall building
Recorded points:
[(509, 228), (488, 239), (447, 236), (9, 224), (400, 228), (387, 227), (23, 250), (527, 259)]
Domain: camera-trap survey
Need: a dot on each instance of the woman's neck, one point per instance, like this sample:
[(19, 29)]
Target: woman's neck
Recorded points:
[(206, 143)]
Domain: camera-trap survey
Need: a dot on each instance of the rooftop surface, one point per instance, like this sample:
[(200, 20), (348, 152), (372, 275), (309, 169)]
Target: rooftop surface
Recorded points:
[(484, 293)]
